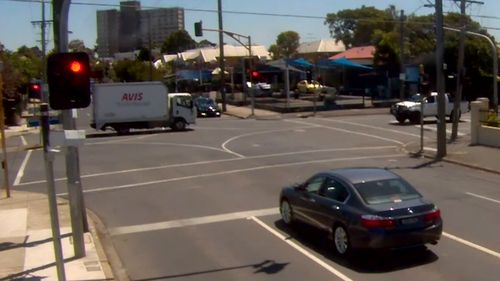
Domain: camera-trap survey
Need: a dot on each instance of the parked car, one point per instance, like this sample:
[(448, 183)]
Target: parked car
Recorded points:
[(305, 86), (411, 108), (206, 107), (363, 208), (261, 89)]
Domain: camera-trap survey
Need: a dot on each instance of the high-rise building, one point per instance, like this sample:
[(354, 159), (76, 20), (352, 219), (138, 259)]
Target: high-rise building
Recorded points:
[(108, 28), (131, 28), (158, 24)]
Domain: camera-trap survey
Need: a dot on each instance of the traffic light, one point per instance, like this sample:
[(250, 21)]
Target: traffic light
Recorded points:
[(35, 90), (68, 75), (198, 29), (255, 74)]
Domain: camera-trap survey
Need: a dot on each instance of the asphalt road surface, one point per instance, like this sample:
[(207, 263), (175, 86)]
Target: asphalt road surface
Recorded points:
[(203, 204)]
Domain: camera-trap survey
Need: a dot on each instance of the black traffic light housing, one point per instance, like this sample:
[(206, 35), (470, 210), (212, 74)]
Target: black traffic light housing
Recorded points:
[(68, 76), (35, 90), (198, 28)]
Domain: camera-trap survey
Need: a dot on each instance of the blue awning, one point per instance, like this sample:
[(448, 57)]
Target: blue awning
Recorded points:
[(301, 62), (348, 63)]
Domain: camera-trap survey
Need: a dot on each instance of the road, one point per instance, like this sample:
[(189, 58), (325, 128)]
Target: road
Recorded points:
[(202, 204)]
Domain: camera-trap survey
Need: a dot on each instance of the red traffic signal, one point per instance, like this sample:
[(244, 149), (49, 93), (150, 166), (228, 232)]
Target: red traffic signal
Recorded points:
[(35, 90), (69, 80), (255, 74)]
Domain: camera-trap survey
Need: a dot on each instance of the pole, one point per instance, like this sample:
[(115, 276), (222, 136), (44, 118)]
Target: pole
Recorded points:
[(441, 126), (51, 192), (77, 210), (2, 130), (150, 48), (252, 88), (221, 56), (401, 56), (460, 73), (44, 51)]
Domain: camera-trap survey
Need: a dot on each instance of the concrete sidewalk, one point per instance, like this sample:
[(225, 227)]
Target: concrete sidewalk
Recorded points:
[(27, 248)]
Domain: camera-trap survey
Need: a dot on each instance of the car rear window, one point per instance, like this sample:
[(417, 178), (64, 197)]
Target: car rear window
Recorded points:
[(386, 191)]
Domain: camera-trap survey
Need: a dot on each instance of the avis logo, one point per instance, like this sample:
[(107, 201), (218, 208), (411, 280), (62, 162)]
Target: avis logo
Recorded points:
[(132, 97)]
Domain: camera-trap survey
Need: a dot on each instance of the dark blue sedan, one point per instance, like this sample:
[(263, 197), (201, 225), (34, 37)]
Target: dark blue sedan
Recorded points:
[(363, 208)]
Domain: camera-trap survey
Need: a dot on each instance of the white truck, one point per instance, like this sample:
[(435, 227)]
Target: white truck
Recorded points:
[(411, 109), (140, 105)]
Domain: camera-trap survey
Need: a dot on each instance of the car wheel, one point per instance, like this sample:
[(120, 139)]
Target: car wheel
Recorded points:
[(401, 119), (286, 212), (341, 240)]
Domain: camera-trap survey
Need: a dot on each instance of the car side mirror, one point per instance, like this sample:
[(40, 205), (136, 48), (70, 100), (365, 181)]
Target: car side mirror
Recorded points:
[(299, 186)]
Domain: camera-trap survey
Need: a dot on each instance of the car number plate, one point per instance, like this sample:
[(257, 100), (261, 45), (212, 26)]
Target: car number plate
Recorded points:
[(409, 221)]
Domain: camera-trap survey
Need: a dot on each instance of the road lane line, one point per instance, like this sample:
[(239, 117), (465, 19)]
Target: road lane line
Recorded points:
[(472, 245), (483, 197), (346, 131), (301, 250), (125, 186), (253, 134), (372, 127), (218, 161), (191, 221), (22, 168)]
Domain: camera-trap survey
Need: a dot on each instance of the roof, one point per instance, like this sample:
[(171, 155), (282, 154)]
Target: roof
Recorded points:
[(210, 54), (365, 52), (357, 175), (321, 46)]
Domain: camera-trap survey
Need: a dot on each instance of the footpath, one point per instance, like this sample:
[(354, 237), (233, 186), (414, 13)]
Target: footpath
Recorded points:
[(26, 246)]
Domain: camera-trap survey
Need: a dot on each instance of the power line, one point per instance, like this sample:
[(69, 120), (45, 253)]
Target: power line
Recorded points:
[(253, 13)]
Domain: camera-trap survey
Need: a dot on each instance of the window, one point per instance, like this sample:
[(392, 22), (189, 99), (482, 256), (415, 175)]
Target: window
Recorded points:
[(431, 99), (335, 190), (386, 191), (184, 101), (313, 185)]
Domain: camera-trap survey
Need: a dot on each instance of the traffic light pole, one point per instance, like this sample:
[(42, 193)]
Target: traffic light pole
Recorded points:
[(77, 208), (441, 126), (51, 192)]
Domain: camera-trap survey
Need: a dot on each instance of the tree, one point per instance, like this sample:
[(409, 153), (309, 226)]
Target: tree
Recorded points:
[(134, 71), (205, 43), (177, 42), (144, 54), (355, 27), (286, 45)]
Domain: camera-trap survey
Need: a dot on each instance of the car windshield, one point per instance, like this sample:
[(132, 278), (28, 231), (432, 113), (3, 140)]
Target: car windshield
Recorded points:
[(386, 191), (206, 102)]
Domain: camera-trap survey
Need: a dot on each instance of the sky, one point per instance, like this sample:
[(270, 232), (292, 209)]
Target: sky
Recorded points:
[(16, 16)]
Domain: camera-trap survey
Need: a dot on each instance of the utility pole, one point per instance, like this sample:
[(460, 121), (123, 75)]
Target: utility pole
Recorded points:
[(460, 68), (441, 111), (77, 208), (402, 76), (221, 57)]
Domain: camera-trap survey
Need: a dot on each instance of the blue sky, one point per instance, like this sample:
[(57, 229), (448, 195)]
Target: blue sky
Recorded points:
[(16, 28)]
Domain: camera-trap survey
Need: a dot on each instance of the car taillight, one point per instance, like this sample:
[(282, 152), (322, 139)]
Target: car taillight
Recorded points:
[(432, 216), (370, 221)]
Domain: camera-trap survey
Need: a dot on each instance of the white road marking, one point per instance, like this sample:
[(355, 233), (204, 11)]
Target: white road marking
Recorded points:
[(302, 250), (224, 145), (347, 131), (22, 168), (180, 144), (218, 161), (472, 245), (110, 188), (23, 140), (190, 221), (483, 197), (434, 129), (371, 126)]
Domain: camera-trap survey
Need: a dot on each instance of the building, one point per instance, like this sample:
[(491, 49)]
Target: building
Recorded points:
[(157, 24), (131, 28), (361, 55), (321, 49)]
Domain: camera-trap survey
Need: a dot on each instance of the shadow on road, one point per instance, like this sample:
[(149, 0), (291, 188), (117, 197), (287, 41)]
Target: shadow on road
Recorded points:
[(267, 267), (361, 261)]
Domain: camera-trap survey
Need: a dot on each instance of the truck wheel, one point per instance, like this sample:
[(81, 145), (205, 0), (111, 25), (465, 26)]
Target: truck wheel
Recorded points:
[(401, 119), (120, 130), (179, 125), (415, 118)]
